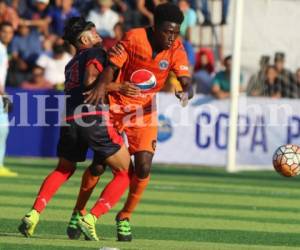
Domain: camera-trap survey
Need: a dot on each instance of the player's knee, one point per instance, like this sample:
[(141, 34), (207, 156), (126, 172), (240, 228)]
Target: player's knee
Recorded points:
[(143, 162), (66, 167), (97, 169), (143, 170)]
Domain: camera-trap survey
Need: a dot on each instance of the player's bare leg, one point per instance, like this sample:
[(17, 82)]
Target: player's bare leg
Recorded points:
[(90, 179), (119, 163), (138, 182)]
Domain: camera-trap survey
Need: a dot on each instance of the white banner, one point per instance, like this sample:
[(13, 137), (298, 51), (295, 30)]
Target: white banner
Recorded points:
[(198, 134)]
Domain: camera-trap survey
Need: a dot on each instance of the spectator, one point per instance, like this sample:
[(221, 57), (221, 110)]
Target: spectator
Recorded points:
[(128, 10), (20, 6), (8, 14), (297, 76), (207, 14), (59, 15), (120, 7), (204, 70), (272, 85), (54, 65), (37, 80), (285, 76), (26, 45), (221, 82), (38, 16), (104, 18), (6, 34), (132, 16), (119, 31), (189, 49), (256, 82), (25, 48), (205, 60), (146, 9), (83, 7), (190, 19)]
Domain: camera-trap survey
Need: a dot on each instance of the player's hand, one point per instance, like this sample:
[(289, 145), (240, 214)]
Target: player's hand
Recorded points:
[(7, 104), (183, 97), (129, 89), (116, 50), (96, 95)]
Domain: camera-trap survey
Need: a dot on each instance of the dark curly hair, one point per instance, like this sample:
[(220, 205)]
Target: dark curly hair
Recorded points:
[(74, 28), (4, 24), (167, 12)]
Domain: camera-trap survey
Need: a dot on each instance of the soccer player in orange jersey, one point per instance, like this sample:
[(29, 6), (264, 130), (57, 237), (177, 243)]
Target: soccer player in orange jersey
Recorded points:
[(158, 50)]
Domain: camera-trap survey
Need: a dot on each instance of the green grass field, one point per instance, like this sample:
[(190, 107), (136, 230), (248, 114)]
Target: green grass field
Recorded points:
[(183, 208)]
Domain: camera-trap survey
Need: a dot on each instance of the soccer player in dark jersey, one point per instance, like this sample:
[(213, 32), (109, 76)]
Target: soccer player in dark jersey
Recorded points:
[(159, 50), (87, 126)]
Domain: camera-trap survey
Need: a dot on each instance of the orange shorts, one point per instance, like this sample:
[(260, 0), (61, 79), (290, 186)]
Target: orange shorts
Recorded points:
[(141, 132)]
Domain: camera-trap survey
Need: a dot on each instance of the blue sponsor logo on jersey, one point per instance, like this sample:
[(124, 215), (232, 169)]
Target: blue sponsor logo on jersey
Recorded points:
[(165, 129), (163, 64)]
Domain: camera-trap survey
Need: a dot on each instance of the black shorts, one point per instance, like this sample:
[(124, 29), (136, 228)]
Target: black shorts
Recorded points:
[(100, 137)]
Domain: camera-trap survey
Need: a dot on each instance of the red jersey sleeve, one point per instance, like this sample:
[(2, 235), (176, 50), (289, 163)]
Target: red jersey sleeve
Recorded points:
[(97, 57), (179, 61), (119, 60)]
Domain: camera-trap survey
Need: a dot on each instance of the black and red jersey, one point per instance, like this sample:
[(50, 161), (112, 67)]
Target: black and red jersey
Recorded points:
[(74, 76)]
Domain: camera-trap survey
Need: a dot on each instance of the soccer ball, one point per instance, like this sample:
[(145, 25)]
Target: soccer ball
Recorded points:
[(144, 79), (286, 160)]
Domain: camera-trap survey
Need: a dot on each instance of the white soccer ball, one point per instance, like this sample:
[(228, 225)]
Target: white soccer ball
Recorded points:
[(286, 160)]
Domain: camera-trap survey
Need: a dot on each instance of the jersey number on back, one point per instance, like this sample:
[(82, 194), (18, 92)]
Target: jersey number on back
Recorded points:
[(72, 76)]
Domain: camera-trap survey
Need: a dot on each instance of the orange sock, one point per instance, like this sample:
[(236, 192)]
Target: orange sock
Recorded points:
[(137, 187), (88, 184)]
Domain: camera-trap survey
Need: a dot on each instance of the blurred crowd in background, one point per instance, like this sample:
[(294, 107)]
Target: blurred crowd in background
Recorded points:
[(38, 55)]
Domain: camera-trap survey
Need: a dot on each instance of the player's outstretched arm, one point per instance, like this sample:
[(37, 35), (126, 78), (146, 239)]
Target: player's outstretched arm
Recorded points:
[(187, 92)]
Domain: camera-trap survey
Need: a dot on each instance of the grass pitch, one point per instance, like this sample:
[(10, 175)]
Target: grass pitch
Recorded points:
[(183, 208)]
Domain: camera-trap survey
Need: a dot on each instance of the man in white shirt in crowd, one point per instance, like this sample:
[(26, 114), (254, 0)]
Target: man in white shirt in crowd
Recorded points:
[(104, 18), (54, 65), (6, 35)]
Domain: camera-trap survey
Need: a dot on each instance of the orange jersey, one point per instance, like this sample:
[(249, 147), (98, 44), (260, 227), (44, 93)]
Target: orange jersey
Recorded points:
[(138, 55)]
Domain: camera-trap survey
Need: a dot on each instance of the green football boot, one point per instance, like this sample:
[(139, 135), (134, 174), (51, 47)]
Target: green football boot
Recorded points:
[(73, 231), (29, 222), (123, 230), (87, 225)]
